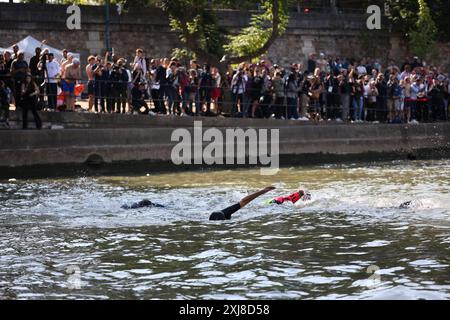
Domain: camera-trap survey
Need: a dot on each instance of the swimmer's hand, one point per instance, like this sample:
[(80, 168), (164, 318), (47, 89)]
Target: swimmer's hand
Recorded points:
[(268, 189)]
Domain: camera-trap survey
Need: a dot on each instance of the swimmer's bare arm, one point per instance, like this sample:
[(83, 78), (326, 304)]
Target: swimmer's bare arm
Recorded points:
[(253, 196)]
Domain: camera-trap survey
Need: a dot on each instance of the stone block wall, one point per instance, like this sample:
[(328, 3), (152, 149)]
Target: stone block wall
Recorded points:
[(345, 35)]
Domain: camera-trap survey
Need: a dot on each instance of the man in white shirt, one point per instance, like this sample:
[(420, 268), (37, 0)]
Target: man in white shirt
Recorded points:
[(53, 71)]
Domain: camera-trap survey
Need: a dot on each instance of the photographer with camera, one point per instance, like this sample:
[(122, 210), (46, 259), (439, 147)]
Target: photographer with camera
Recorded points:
[(238, 84), (122, 86), (100, 77)]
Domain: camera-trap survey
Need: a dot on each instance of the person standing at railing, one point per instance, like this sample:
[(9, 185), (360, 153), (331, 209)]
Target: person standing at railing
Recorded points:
[(4, 103), (314, 94), (215, 91), (266, 94), (422, 100), (358, 100), (113, 88), (183, 82), (332, 96), (205, 85), (344, 91), (122, 86), (278, 108), (72, 74), (161, 82), (140, 68), (19, 68), (37, 74), (372, 95), (191, 91), (406, 86), (381, 85), (100, 78), (53, 71), (65, 56), (238, 85), (171, 88), (256, 89), (109, 99), (91, 84), (292, 90), (393, 96), (436, 92), (7, 71), (66, 63)]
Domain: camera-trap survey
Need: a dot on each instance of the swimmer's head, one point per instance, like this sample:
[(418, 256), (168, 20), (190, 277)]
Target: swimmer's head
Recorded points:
[(305, 195), (217, 216)]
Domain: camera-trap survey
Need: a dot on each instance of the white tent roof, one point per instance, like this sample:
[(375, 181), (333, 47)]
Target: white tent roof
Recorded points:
[(29, 45)]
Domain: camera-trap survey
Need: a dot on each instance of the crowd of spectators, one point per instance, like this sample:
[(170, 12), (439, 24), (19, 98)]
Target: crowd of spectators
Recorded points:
[(324, 88)]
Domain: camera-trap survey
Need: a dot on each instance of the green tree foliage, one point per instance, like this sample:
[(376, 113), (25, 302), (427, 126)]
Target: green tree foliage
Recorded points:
[(256, 35), (404, 14), (423, 37), (197, 23)]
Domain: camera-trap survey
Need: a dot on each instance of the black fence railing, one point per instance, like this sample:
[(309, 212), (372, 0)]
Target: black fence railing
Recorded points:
[(114, 96)]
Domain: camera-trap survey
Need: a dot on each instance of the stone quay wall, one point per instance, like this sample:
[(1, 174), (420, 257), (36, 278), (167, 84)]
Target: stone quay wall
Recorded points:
[(84, 140)]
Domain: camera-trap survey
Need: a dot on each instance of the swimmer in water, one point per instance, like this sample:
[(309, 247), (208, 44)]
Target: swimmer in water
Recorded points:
[(294, 198), (142, 204), (228, 212), (406, 205)]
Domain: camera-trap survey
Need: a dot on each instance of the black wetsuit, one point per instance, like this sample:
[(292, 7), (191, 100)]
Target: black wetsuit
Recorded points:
[(406, 205), (142, 204), (226, 213)]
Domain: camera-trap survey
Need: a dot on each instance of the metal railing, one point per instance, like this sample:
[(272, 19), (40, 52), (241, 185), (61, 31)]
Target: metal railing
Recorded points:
[(108, 96)]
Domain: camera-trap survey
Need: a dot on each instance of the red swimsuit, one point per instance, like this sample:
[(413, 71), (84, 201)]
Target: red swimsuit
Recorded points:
[(294, 198)]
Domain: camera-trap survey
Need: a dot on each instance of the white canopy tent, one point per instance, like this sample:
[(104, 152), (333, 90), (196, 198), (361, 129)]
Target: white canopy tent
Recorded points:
[(29, 45)]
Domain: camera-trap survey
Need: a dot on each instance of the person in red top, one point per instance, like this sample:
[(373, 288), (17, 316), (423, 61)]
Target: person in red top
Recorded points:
[(294, 198)]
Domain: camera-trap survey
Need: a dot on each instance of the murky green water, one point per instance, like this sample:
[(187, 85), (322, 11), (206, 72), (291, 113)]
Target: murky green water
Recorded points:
[(68, 238)]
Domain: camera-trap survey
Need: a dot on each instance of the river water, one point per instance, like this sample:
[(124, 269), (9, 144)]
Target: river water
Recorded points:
[(69, 238)]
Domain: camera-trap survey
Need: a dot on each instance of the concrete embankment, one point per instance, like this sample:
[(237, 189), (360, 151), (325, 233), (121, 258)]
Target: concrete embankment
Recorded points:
[(97, 143)]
